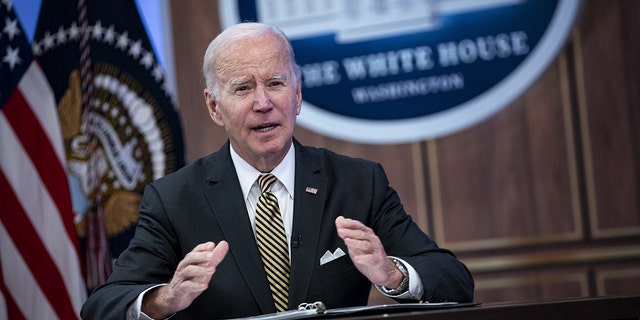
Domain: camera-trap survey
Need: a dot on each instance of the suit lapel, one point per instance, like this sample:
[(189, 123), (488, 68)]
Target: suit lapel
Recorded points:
[(307, 219), (228, 206)]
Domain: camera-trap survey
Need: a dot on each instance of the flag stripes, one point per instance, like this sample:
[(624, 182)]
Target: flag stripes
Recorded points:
[(8, 307), (34, 172), (33, 251), (20, 284), (40, 273), (36, 143)]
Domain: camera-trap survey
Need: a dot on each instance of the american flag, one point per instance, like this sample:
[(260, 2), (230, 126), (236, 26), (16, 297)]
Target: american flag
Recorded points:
[(41, 276)]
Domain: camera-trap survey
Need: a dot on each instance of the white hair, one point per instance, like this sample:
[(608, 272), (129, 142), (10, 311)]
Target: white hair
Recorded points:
[(241, 31)]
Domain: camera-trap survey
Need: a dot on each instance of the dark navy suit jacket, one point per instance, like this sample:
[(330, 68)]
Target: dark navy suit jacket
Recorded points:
[(203, 202)]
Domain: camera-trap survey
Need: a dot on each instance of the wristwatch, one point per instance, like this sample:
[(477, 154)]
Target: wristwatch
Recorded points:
[(404, 284)]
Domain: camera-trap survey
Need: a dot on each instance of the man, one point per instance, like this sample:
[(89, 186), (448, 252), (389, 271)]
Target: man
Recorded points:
[(198, 248)]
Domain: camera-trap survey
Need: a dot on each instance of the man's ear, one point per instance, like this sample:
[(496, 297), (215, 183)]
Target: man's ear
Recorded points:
[(299, 99), (212, 107)]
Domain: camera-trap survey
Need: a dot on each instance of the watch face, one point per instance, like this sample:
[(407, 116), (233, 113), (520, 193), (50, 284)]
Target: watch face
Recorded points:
[(402, 71)]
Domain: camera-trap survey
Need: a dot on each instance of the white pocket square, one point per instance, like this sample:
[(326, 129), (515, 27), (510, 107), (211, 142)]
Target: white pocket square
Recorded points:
[(328, 256)]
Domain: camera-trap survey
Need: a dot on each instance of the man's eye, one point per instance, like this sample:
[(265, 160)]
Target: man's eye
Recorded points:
[(242, 88), (276, 84)]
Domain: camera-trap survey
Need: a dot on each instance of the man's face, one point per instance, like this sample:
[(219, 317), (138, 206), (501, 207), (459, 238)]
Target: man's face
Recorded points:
[(259, 100)]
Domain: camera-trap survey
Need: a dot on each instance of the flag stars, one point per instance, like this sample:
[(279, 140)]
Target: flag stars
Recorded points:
[(147, 60), (123, 41), (157, 73), (136, 49), (98, 31), (11, 28), (110, 35), (48, 41), (61, 35), (74, 32), (12, 57)]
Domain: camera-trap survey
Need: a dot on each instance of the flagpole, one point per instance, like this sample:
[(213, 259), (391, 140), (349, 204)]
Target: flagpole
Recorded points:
[(98, 257)]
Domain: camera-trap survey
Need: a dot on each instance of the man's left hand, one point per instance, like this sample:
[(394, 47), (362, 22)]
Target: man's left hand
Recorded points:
[(367, 253)]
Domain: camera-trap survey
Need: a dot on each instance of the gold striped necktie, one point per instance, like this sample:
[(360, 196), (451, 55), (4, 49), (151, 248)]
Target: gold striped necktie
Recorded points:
[(272, 242)]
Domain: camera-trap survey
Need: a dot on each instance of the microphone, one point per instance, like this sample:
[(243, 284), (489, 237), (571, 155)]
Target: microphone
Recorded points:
[(296, 243)]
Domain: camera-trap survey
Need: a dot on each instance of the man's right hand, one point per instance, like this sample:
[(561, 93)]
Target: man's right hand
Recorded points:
[(189, 281)]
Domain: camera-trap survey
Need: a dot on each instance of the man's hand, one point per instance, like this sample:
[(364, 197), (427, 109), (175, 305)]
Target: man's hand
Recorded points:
[(367, 253), (189, 280)]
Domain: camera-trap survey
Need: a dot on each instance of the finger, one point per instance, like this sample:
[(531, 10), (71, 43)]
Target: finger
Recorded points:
[(204, 247), (219, 252), (360, 235), (194, 272), (370, 245), (351, 224), (347, 223), (202, 272), (202, 254), (361, 232), (207, 255)]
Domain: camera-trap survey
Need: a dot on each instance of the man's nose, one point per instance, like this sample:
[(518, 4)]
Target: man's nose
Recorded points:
[(262, 99)]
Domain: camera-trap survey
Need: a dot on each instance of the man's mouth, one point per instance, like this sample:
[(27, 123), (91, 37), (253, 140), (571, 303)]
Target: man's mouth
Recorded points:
[(265, 128)]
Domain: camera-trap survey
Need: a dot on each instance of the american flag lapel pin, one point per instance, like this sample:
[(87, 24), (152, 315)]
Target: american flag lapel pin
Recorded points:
[(311, 190)]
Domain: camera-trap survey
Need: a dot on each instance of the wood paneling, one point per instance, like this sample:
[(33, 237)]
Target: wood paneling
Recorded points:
[(195, 24), (510, 180), (618, 279), (608, 81), (541, 200), (532, 285)]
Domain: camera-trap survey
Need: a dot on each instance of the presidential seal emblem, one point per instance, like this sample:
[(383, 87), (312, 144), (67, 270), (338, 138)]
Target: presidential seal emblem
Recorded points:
[(120, 127)]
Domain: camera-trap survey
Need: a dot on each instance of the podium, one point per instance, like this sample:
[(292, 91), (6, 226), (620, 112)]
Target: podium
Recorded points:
[(603, 308), (609, 308)]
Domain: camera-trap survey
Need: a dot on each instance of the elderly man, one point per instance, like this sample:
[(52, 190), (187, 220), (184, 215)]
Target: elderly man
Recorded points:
[(266, 223)]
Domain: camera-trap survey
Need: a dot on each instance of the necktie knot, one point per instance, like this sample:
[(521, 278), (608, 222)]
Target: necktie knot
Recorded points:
[(266, 181)]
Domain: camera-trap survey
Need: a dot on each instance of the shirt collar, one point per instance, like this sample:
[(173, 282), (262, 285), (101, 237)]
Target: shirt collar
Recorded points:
[(247, 175)]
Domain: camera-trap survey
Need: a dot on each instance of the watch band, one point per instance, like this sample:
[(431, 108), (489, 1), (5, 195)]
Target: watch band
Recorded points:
[(404, 284)]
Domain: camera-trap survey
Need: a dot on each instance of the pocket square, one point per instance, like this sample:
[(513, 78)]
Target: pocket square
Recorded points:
[(328, 256)]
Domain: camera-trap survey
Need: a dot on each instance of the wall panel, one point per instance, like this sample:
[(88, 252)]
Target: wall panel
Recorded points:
[(618, 279), (510, 180), (532, 285), (607, 71)]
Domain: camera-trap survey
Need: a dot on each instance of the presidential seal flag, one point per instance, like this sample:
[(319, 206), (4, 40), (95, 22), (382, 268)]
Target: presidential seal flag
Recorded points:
[(117, 116), (40, 268)]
